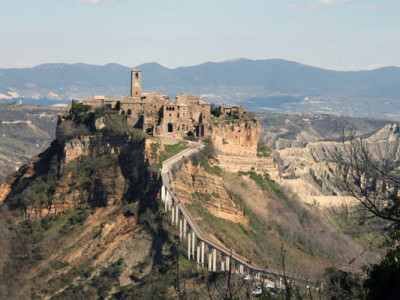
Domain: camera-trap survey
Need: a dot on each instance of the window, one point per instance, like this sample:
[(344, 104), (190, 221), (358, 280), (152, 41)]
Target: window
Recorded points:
[(136, 75)]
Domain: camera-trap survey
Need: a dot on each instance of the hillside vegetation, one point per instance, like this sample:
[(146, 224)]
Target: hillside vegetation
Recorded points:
[(260, 217)]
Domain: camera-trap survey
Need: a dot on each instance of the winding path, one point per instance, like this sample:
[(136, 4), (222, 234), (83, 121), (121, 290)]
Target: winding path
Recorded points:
[(190, 230)]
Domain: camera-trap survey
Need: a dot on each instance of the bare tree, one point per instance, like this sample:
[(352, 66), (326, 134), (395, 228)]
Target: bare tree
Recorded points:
[(179, 281), (373, 181), (285, 280)]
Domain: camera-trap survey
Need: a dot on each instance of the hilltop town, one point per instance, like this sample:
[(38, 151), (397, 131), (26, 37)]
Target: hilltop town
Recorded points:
[(157, 114)]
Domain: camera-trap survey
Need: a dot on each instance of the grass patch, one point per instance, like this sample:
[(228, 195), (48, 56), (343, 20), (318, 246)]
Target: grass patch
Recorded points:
[(154, 147), (253, 240), (169, 151), (204, 162), (201, 197)]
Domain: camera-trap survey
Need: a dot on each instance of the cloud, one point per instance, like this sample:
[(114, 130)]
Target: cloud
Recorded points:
[(317, 4), (9, 95), (375, 66), (52, 95), (99, 1), (370, 6)]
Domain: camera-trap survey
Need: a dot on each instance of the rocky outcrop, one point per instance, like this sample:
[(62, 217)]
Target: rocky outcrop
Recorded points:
[(307, 172), (92, 145), (193, 183), (97, 170), (236, 137), (5, 189)]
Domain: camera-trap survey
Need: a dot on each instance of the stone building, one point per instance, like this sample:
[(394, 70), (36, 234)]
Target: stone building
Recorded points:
[(157, 114)]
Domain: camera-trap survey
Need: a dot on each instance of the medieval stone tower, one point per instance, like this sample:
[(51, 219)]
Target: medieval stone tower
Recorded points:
[(136, 83)]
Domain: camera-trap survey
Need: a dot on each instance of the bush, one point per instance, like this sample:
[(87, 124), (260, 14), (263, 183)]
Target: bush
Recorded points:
[(263, 150), (384, 278), (216, 111)]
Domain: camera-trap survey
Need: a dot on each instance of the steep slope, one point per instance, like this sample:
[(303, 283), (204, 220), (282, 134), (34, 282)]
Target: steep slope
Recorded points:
[(82, 219), (236, 201)]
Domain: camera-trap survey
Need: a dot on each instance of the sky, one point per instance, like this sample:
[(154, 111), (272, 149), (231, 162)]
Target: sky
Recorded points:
[(332, 34)]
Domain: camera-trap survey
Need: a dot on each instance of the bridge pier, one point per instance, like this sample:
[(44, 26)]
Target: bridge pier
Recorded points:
[(176, 214), (193, 243), (180, 227), (173, 213), (189, 243), (241, 269), (163, 193), (223, 262), (169, 200), (198, 253), (236, 267), (184, 227), (228, 263), (214, 260), (202, 255), (209, 258)]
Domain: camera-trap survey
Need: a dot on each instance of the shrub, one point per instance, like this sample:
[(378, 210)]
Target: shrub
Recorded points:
[(263, 150)]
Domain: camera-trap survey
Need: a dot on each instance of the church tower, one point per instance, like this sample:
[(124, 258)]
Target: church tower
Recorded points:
[(136, 83)]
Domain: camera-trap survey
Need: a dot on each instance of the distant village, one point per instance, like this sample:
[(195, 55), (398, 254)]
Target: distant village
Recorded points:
[(157, 114)]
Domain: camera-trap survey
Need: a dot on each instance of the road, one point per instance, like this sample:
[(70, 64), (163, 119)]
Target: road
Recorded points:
[(167, 180)]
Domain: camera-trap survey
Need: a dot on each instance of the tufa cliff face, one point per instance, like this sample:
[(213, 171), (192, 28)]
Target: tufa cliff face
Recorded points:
[(192, 182), (91, 221), (237, 137), (85, 166), (234, 148)]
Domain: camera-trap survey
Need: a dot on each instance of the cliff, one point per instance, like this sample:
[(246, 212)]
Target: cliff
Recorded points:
[(307, 172), (82, 217), (239, 137)]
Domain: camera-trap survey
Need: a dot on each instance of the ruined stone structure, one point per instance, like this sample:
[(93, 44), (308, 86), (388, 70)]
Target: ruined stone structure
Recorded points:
[(157, 114)]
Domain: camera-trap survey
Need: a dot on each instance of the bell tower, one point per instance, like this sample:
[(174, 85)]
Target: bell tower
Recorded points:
[(136, 83)]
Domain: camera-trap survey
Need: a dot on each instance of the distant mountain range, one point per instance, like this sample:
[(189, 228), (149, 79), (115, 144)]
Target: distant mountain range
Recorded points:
[(264, 85)]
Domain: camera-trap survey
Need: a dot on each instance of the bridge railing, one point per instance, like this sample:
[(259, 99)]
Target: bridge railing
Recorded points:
[(167, 182)]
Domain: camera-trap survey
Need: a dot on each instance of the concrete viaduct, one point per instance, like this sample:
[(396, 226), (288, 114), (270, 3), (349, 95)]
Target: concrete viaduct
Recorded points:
[(200, 248)]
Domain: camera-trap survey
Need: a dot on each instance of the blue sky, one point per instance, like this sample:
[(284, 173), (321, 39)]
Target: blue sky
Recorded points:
[(334, 34)]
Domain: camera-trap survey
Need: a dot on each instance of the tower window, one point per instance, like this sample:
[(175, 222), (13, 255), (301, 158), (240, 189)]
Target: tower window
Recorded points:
[(136, 75)]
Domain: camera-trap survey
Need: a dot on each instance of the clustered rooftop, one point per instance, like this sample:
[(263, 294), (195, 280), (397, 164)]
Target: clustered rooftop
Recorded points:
[(156, 114)]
